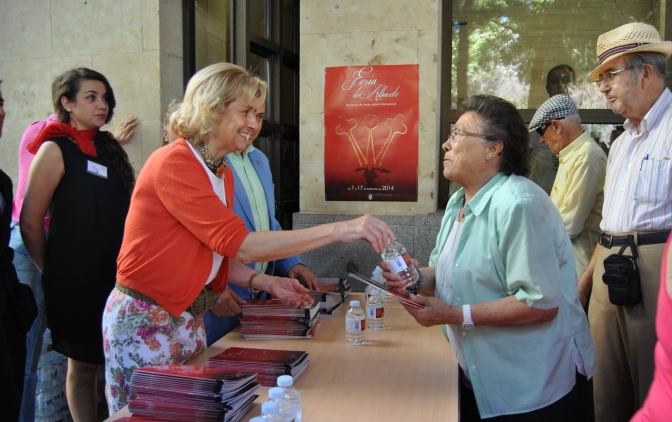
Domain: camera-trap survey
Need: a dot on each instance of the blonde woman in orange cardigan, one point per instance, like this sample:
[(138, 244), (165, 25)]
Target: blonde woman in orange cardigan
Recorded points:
[(183, 242)]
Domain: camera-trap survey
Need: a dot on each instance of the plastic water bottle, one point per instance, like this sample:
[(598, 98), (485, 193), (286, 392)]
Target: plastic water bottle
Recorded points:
[(375, 310), (355, 324), (58, 416), (271, 411), (370, 288), (57, 398), (277, 394), (46, 342), (400, 263), (258, 419), (376, 275), (292, 394), (44, 405)]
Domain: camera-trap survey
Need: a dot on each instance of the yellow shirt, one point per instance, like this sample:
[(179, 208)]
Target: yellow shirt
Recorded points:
[(578, 193)]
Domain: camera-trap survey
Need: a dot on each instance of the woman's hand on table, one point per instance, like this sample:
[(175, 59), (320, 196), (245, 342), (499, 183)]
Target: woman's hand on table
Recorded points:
[(435, 312), (228, 304), (290, 292)]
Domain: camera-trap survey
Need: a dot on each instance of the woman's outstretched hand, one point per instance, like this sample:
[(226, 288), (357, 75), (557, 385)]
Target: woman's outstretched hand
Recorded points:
[(290, 292), (367, 228)]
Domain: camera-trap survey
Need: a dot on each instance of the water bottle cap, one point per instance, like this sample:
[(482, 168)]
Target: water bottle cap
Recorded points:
[(354, 303), (270, 407), (285, 381), (258, 419), (276, 393)]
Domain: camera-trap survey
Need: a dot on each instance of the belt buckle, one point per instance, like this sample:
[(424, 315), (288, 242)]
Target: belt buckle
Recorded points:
[(611, 239)]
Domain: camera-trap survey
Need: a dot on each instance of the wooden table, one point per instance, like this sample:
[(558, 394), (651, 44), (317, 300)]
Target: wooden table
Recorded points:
[(404, 372)]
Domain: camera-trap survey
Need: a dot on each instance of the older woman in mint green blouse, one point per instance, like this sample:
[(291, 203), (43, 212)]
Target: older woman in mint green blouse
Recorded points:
[(502, 282)]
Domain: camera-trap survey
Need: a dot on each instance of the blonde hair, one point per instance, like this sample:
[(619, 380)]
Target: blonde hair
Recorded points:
[(208, 94)]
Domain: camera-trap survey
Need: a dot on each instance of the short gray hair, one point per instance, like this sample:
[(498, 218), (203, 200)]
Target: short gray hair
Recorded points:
[(573, 118), (656, 60)]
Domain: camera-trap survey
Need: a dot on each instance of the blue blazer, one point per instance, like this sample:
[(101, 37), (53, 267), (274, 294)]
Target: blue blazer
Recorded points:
[(242, 208), (216, 327)]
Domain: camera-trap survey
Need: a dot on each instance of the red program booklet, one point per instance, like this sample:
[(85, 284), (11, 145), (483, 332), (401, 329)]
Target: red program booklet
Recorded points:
[(261, 361), (288, 358), (264, 308)]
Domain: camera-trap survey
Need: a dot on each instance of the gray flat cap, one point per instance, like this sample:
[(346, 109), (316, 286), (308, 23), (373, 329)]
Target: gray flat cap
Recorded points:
[(555, 108)]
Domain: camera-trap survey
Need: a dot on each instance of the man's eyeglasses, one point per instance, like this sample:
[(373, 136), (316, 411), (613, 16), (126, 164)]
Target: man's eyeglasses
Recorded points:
[(611, 74), (459, 132)]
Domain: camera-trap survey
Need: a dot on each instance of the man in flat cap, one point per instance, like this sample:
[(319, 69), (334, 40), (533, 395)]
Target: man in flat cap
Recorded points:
[(636, 218), (543, 164), (578, 190)]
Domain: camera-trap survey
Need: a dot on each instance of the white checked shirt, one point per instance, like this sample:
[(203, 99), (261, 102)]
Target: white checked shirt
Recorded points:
[(637, 194)]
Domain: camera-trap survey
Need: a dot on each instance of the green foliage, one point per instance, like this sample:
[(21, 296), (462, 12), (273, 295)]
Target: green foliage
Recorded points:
[(506, 47)]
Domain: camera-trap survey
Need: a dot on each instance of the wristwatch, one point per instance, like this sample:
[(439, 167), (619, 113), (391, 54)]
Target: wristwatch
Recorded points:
[(467, 323)]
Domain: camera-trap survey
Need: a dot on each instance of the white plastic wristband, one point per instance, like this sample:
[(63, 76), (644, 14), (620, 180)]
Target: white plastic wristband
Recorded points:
[(467, 323)]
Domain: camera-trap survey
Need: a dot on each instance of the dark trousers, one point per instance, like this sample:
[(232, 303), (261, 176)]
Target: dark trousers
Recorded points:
[(12, 363), (575, 406)]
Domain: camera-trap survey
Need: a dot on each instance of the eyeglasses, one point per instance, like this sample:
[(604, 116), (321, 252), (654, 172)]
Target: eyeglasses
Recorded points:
[(612, 74), (542, 128), (459, 132)]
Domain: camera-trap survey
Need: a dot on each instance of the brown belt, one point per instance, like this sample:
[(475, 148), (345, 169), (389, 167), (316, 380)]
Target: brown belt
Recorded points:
[(203, 303)]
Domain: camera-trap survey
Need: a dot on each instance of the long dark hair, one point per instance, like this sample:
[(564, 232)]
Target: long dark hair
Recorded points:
[(68, 85)]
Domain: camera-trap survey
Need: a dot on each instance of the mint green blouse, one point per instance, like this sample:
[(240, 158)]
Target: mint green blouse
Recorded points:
[(255, 193), (514, 243)]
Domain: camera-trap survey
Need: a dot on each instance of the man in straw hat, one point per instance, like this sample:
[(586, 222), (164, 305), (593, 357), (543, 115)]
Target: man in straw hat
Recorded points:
[(636, 218), (578, 189)]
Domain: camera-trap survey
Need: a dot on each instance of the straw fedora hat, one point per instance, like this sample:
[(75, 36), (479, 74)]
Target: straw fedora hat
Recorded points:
[(630, 38)]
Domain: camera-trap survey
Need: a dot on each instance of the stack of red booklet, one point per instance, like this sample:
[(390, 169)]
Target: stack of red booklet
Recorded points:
[(191, 393), (272, 319), (331, 294), (268, 364)]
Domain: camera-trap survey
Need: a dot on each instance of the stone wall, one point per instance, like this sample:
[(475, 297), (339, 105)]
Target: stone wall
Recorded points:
[(137, 45), (212, 40), (376, 32)]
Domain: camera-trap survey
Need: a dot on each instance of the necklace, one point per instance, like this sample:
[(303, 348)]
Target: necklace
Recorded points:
[(216, 167)]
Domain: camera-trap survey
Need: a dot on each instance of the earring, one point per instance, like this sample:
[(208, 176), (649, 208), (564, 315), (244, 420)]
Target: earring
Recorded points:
[(487, 157), (68, 110)]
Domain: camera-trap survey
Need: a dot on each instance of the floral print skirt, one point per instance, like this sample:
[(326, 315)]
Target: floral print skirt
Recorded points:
[(136, 334)]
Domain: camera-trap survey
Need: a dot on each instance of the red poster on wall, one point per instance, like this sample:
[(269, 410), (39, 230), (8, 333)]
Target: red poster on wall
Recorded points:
[(371, 133)]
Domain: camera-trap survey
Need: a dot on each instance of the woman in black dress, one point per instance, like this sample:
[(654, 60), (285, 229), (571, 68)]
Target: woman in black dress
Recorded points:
[(83, 177)]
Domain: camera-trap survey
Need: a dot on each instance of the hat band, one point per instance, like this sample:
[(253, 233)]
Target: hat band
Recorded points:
[(619, 49)]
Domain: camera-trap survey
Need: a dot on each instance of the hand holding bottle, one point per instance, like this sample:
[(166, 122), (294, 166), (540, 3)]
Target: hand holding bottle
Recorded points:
[(398, 268), (367, 228)]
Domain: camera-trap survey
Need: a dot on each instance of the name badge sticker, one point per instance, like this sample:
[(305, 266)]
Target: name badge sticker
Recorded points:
[(97, 169)]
